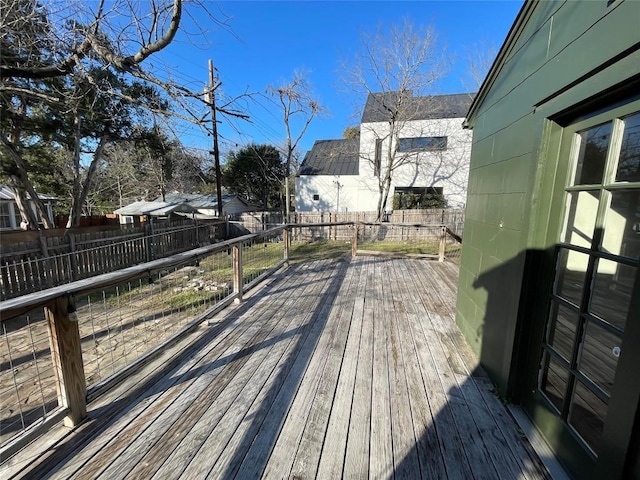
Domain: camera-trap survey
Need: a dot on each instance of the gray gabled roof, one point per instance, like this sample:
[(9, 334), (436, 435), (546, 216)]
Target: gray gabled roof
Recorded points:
[(6, 193), (332, 157), (199, 200), (154, 209), (380, 105), (204, 200)]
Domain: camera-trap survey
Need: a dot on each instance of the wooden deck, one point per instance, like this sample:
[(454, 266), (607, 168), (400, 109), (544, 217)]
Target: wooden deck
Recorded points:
[(332, 369)]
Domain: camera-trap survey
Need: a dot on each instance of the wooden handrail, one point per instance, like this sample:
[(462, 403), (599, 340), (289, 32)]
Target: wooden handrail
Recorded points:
[(454, 235), (66, 353), (18, 306), (63, 327)]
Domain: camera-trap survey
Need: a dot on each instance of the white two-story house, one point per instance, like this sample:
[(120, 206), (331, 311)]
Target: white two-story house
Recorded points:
[(407, 144)]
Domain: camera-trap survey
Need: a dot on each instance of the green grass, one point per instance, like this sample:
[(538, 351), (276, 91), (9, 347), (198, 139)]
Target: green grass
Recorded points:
[(299, 252), (187, 299), (333, 249), (428, 247)]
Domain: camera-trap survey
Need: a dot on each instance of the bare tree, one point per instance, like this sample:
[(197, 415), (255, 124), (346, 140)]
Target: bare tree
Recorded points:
[(299, 108), (394, 68), (480, 57), (71, 74)]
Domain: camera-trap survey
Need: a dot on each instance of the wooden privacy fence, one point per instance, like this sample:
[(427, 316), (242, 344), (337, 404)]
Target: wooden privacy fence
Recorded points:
[(46, 262), (251, 222), (419, 240)]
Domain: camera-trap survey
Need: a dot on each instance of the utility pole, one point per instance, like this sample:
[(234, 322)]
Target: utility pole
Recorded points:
[(216, 153)]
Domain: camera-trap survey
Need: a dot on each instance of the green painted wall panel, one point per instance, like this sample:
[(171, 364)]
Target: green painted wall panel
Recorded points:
[(507, 135), (517, 174), (483, 151), (512, 212), (515, 169), (584, 44)]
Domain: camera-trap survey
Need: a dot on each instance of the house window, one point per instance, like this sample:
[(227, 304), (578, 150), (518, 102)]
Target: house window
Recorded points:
[(422, 144), (378, 157), (316, 197), (5, 216), (16, 215), (406, 198)]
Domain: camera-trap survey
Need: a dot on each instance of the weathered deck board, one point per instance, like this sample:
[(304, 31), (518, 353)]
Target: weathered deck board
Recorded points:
[(381, 447), (336, 369), (356, 460)]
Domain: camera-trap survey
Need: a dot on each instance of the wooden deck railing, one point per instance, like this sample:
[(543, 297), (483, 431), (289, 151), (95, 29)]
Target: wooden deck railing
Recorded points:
[(45, 261), (65, 345)]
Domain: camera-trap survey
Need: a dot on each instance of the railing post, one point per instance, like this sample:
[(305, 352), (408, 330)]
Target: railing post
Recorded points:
[(237, 272), (148, 242), (443, 241), (285, 239), (75, 271), (66, 355), (46, 263), (354, 240)]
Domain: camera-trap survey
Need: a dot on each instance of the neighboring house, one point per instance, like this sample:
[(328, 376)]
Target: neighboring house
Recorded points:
[(549, 290), (134, 212), (183, 205), (10, 218), (431, 149), (207, 204), (329, 177)]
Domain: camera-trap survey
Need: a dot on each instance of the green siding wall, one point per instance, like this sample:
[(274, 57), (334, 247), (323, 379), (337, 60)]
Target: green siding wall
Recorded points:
[(565, 53)]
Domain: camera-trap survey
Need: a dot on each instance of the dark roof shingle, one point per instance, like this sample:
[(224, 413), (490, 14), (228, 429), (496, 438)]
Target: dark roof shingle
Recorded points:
[(332, 157), (378, 106)]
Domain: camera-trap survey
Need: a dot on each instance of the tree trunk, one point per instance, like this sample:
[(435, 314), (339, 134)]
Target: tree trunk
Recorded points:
[(80, 195)]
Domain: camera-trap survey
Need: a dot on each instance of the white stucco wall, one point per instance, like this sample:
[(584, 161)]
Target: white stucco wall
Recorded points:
[(337, 193), (448, 169)]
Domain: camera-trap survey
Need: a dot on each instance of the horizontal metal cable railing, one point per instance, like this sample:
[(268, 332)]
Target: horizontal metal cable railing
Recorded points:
[(66, 344)]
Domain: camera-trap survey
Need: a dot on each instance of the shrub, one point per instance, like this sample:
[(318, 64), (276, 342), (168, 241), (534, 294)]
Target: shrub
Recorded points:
[(409, 201)]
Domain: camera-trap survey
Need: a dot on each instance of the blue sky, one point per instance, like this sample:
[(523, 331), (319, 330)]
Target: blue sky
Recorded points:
[(264, 42)]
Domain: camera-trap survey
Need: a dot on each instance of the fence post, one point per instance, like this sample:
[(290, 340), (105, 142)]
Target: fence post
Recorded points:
[(285, 239), (66, 354), (354, 240), (148, 242), (238, 283), (75, 271), (443, 241), (46, 262)]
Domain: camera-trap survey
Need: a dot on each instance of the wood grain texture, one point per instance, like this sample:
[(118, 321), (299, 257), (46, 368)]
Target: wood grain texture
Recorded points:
[(66, 356), (335, 369)]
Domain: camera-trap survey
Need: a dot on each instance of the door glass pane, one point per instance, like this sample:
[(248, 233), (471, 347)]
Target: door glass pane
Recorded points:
[(592, 156), (581, 218), (599, 356), (587, 415), (611, 294), (622, 224), (572, 267), (562, 331), (629, 160), (554, 381)]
